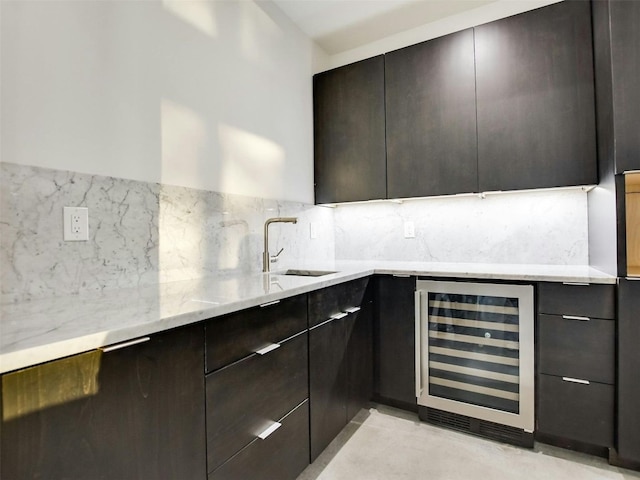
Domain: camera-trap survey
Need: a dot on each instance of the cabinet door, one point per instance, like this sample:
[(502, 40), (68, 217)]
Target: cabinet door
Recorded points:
[(134, 413), (431, 118), (327, 384), (625, 64), (628, 368), (394, 342), (359, 332), (535, 99), (349, 132)]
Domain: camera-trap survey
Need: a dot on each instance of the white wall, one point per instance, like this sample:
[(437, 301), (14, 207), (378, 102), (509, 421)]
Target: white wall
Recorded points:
[(454, 23), (203, 94)]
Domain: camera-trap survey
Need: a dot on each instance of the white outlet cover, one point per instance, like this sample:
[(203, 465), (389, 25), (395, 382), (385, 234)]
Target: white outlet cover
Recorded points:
[(409, 230), (75, 224), (313, 230)]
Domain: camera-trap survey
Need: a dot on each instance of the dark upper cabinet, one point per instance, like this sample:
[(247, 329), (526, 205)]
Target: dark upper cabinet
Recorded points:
[(431, 118), (625, 65), (628, 368), (134, 413), (349, 138), (535, 99)]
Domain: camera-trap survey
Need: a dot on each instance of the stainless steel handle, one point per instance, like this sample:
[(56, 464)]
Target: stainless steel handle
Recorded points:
[(576, 317), (268, 304), (576, 380), (129, 343), (338, 316), (578, 284), (401, 275), (268, 431), (268, 348), (352, 309), (418, 334)]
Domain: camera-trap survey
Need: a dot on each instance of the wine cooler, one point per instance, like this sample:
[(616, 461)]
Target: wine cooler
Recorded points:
[(475, 358)]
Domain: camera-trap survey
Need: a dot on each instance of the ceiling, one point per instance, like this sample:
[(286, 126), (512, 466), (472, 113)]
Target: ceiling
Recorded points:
[(341, 25)]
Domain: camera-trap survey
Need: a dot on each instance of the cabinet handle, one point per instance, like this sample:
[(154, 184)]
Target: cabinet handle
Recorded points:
[(401, 275), (338, 316), (118, 346), (352, 309), (575, 317), (268, 348), (268, 431), (576, 380), (578, 284), (268, 304)]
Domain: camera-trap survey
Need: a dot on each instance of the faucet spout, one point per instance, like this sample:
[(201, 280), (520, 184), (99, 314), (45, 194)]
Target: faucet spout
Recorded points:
[(265, 253)]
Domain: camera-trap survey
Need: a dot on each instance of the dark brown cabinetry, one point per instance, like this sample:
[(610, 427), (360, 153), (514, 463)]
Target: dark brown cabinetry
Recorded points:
[(394, 341), (134, 413), (349, 139), (576, 366), (340, 359), (431, 118), (535, 99), (628, 372), (257, 385)]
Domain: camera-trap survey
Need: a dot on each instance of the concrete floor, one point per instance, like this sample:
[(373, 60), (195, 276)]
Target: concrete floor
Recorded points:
[(387, 444)]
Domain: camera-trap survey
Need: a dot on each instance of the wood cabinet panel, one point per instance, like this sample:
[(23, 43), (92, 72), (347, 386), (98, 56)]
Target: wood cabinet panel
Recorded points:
[(597, 301), (359, 345), (349, 133), (535, 99), (576, 411), (246, 397), (325, 303), (137, 413), (577, 349), (431, 118), (238, 335)]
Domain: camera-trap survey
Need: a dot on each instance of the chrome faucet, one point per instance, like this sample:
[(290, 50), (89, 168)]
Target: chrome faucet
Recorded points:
[(265, 254)]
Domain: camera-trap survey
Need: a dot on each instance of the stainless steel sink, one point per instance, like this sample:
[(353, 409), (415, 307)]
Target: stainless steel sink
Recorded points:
[(306, 273)]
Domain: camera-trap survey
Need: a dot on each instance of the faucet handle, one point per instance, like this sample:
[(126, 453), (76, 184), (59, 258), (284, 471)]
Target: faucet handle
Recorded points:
[(274, 258)]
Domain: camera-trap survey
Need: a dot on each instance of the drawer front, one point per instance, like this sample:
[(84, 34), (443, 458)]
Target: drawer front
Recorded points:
[(282, 455), (235, 336), (577, 348), (247, 397), (596, 301), (576, 411), (325, 303)]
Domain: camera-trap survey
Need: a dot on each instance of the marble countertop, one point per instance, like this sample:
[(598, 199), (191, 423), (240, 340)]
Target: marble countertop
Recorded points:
[(46, 329)]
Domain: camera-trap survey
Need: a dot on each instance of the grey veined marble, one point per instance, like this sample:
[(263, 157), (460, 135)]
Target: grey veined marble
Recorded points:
[(139, 233)]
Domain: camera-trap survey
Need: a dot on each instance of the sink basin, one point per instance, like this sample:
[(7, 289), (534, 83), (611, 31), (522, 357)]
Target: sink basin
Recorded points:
[(307, 273)]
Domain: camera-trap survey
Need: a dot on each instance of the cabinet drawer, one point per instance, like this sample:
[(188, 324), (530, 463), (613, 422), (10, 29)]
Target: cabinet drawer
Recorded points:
[(282, 455), (580, 300), (325, 303), (235, 336), (245, 398), (576, 411), (577, 348)]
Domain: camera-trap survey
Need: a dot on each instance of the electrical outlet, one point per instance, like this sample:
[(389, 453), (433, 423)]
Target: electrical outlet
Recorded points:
[(76, 224), (313, 230), (409, 230)]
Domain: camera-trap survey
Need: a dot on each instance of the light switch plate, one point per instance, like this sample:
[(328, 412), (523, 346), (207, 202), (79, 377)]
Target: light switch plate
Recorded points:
[(76, 224)]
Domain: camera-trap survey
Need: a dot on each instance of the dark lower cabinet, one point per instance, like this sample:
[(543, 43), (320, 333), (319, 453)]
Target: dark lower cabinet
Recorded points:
[(340, 362), (394, 342), (629, 371), (132, 413), (535, 99), (349, 138)]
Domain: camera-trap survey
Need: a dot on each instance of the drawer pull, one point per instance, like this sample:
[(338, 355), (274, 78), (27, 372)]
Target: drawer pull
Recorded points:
[(578, 284), (268, 304), (268, 348), (269, 430), (352, 309), (575, 380), (401, 275), (576, 317), (130, 343), (338, 316)]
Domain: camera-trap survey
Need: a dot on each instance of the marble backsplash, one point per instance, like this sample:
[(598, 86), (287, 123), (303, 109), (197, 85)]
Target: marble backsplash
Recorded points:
[(139, 233), (548, 227)]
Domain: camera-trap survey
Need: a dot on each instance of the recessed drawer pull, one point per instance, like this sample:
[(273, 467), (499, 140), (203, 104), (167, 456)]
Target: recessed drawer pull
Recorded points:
[(130, 343), (269, 430), (575, 380), (338, 316), (268, 304), (352, 309), (575, 317), (268, 348)]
